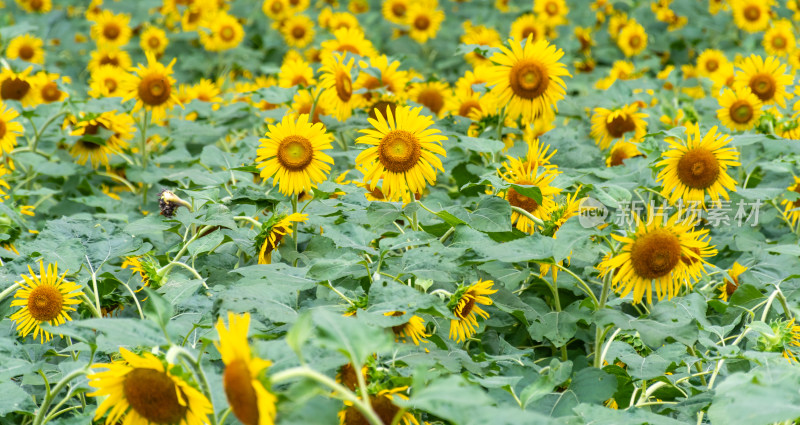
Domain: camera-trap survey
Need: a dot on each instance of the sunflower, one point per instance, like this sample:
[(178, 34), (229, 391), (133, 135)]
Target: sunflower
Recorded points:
[(751, 15), (224, 33), (292, 154), (144, 391), (337, 81), (198, 13), (110, 29), (465, 305), (36, 6), (296, 72), (632, 39), (154, 40), (792, 208), (46, 298), (611, 125), (414, 329), (298, 31), (388, 76), (551, 12), (358, 6), (107, 81), (395, 10), (434, 95), (19, 86), (710, 62), (621, 151), (100, 136), (205, 91), (527, 78), (698, 167), (527, 173), (779, 38), (470, 105), (528, 25), (423, 22), (349, 40), (48, 87), (740, 110), (273, 231), (347, 376), (668, 252), (3, 188), (9, 129), (111, 56), (302, 103), (276, 9), (27, 48), (480, 75), (730, 286), (403, 152), (147, 267), (250, 401), (767, 79), (340, 20), (383, 405), (482, 36), (153, 88)]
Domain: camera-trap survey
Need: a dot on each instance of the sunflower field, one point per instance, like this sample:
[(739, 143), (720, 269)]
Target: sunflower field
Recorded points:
[(399, 212)]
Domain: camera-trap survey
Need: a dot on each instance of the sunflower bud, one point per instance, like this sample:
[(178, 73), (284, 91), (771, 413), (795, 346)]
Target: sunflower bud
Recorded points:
[(168, 202)]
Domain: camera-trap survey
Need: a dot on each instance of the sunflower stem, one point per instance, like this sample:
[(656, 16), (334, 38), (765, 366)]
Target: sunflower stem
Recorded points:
[(250, 219), (38, 133), (165, 270), (530, 216), (600, 334), (224, 416), (294, 228), (198, 373), (586, 287), (41, 415), (95, 312), (94, 284), (305, 372), (314, 106), (143, 132), (9, 290)]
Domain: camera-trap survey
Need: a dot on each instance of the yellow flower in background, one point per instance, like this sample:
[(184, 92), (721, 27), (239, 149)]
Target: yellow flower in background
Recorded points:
[(4, 186), (388, 77), (434, 95), (350, 40), (27, 48), (663, 253), (48, 87), (250, 401), (528, 173), (140, 390), (153, 39), (276, 9), (698, 167), (224, 32), (465, 305), (528, 79), (296, 72), (792, 208), (304, 100), (111, 29), (153, 88), (100, 136), (414, 329), (298, 31), (730, 286), (711, 62), (395, 10), (19, 86), (292, 154), (528, 25), (621, 151), (205, 90), (779, 38), (611, 125), (272, 233), (107, 81), (632, 39), (740, 110), (36, 6), (480, 35), (46, 298), (751, 15), (9, 129), (767, 79), (109, 56), (383, 405), (423, 22), (403, 152), (337, 81), (551, 12), (470, 105)]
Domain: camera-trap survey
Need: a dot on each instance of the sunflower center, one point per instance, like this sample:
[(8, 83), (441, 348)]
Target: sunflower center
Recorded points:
[(741, 111), (712, 65), (635, 41), (111, 85), (432, 99), (2, 128), (111, 31), (796, 189), (422, 23), (36, 4), (26, 52), (752, 13), (14, 88), (519, 200), (154, 89), (298, 32), (227, 33), (620, 125), (399, 151), (382, 106), (107, 60), (528, 79), (689, 260), (468, 107), (295, 152), (240, 392), (698, 168), (617, 156), (763, 85), (399, 10), (385, 409), (466, 309), (528, 31), (45, 302), (344, 87), (348, 376), (551, 9), (655, 254), (50, 92), (779, 42), (154, 396), (153, 42), (299, 79)]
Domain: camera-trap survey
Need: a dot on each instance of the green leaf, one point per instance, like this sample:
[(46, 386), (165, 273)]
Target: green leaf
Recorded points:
[(593, 385), (157, 308), (451, 398), (765, 395), (354, 337), (14, 399), (549, 377), (493, 214)]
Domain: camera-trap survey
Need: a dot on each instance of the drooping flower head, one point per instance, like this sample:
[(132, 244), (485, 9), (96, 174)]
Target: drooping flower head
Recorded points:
[(273, 231), (414, 329), (532, 172), (465, 305)]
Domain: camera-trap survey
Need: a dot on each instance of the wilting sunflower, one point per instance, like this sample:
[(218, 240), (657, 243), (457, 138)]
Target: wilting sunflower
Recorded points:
[(111, 56), (296, 72), (46, 298), (423, 21), (632, 39), (730, 286), (710, 62), (527, 173), (350, 40), (18, 86), (435, 95), (250, 401), (224, 33), (111, 29), (273, 231), (383, 405), (291, 153), (621, 151), (337, 81), (153, 88), (751, 15), (403, 152), (9, 129), (100, 136), (528, 78), (527, 25), (740, 110), (611, 125), (767, 79), (465, 305), (779, 38), (107, 81), (153, 39), (27, 48), (792, 208), (666, 254), (144, 391), (414, 329), (298, 31), (698, 167)]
